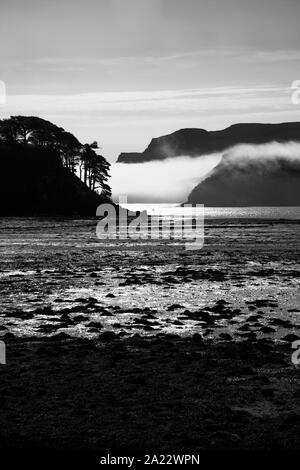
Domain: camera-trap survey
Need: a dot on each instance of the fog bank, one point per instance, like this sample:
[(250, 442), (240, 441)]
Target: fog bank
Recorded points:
[(170, 180)]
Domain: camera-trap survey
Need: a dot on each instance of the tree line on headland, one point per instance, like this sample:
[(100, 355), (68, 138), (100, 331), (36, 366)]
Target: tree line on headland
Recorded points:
[(80, 159)]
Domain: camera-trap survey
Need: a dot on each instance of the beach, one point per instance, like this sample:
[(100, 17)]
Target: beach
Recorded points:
[(133, 346)]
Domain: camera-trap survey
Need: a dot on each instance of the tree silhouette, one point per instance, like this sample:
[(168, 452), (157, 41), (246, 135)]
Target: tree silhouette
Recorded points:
[(76, 157), (94, 169)]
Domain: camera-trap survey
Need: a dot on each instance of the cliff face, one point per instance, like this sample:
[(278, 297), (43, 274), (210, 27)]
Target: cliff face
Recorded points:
[(251, 183), (195, 142), (34, 182), (129, 157)]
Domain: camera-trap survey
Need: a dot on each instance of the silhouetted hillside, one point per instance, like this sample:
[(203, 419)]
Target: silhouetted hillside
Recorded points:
[(195, 142), (250, 183), (132, 157), (33, 181)]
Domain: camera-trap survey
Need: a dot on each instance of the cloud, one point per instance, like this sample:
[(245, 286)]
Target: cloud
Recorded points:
[(262, 154), (166, 181), (81, 63), (173, 179), (275, 56), (167, 101)]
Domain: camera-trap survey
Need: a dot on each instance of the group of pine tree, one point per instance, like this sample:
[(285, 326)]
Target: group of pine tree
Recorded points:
[(80, 159)]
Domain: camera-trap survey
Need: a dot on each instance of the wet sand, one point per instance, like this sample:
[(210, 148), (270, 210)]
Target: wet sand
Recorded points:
[(156, 395), (148, 347)]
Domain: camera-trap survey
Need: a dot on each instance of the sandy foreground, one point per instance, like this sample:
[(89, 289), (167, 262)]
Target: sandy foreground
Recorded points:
[(148, 349), (137, 396)]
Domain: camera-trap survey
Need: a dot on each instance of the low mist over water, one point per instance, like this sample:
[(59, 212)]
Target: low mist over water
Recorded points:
[(170, 180), (173, 179)]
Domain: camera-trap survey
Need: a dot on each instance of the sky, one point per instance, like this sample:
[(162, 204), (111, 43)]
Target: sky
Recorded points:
[(124, 71)]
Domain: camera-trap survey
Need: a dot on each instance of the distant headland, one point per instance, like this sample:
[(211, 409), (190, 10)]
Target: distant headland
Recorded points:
[(196, 142)]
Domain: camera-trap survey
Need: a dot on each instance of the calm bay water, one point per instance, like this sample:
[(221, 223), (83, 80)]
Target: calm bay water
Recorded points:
[(227, 212)]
